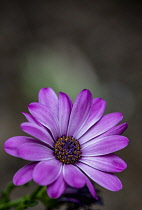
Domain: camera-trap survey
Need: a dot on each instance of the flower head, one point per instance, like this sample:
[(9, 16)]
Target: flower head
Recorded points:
[(72, 144)]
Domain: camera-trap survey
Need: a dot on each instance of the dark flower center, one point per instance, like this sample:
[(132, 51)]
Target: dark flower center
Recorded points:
[(67, 150)]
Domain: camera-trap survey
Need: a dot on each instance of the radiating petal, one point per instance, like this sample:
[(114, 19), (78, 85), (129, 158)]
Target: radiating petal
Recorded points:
[(117, 130), (34, 152), (48, 97), (13, 143), (80, 112), (47, 172), (65, 106), (104, 145), (106, 180), (56, 189), (73, 176), (106, 122), (91, 188), (96, 112), (31, 119), (108, 163), (45, 117), (38, 132), (24, 175)]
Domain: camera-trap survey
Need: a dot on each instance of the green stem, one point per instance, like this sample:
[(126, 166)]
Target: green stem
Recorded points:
[(12, 203), (34, 193), (6, 193), (22, 202)]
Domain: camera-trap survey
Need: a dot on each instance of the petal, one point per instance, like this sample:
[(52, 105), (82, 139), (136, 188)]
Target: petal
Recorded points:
[(96, 112), (48, 97), (13, 143), (56, 189), (31, 119), (117, 130), (35, 152), (65, 106), (45, 117), (73, 176), (80, 112), (104, 145), (91, 188), (106, 180), (24, 175), (47, 172), (38, 132), (105, 123), (108, 163)]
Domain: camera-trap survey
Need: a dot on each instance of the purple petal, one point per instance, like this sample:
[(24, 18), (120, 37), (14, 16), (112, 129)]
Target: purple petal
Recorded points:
[(24, 175), (13, 143), (48, 97), (56, 189), (47, 172), (105, 123), (45, 117), (80, 112), (38, 132), (96, 112), (65, 106), (35, 152), (31, 119), (106, 180), (117, 130), (73, 176), (108, 163), (104, 145), (91, 188)]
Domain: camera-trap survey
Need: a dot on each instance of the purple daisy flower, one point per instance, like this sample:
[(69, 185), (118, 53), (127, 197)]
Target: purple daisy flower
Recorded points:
[(73, 143)]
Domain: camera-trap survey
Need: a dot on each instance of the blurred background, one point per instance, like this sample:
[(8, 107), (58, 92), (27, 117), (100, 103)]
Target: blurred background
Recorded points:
[(71, 45)]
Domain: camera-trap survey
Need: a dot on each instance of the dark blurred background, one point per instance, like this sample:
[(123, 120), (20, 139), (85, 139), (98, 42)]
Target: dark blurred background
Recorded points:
[(72, 45)]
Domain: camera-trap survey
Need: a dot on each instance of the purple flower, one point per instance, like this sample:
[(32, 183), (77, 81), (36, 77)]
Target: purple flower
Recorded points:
[(73, 144)]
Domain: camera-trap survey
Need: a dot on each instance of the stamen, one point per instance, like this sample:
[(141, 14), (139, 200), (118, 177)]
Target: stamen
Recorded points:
[(67, 150)]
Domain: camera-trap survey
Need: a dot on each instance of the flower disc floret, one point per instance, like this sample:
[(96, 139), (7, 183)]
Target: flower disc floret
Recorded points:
[(67, 150)]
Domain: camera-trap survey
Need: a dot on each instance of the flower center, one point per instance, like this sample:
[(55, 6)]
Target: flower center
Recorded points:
[(67, 150)]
